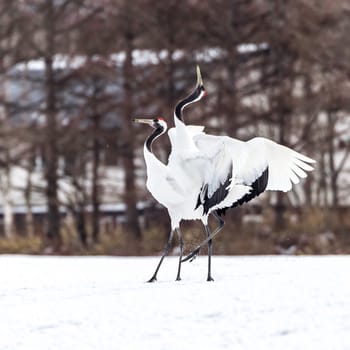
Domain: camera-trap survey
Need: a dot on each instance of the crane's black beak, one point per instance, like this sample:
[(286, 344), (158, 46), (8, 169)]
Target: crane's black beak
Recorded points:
[(144, 121)]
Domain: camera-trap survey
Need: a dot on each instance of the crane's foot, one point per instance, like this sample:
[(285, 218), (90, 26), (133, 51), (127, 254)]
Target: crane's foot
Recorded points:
[(153, 279), (178, 278), (192, 255), (210, 279)]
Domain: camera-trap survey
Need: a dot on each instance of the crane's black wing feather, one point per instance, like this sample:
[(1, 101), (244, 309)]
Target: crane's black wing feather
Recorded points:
[(258, 187), (217, 197)]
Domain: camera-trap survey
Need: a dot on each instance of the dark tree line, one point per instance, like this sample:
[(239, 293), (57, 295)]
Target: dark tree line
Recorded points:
[(274, 68)]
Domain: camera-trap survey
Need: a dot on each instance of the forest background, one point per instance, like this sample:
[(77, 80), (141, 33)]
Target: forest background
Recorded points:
[(74, 73)]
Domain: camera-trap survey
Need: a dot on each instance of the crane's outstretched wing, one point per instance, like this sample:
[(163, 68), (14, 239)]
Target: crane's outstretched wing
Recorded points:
[(259, 163), (285, 166)]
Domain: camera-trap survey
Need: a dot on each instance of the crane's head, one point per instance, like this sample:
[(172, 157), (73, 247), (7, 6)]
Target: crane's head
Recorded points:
[(156, 123)]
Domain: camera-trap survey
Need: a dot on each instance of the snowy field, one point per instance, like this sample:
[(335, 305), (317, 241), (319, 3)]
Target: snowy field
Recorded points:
[(103, 303)]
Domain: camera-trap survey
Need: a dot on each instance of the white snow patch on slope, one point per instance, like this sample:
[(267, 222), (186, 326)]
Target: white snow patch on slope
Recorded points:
[(104, 303)]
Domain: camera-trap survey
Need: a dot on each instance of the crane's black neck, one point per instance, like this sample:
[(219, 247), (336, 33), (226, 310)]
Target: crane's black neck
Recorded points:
[(155, 134), (188, 100)]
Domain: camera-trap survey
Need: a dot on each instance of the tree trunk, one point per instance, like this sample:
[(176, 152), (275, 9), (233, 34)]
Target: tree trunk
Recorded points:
[(29, 212), (7, 204), (332, 166), (6, 183), (128, 153), (51, 159), (80, 224), (280, 207), (95, 184)]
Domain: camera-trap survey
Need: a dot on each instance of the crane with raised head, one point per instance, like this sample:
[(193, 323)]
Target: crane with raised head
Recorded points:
[(259, 164)]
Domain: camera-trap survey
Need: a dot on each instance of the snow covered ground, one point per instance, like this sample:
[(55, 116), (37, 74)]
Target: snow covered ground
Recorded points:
[(103, 303)]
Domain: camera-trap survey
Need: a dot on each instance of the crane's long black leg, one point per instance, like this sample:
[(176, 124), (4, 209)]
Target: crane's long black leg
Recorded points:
[(181, 244), (191, 256), (165, 252), (220, 227), (221, 223), (207, 230)]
